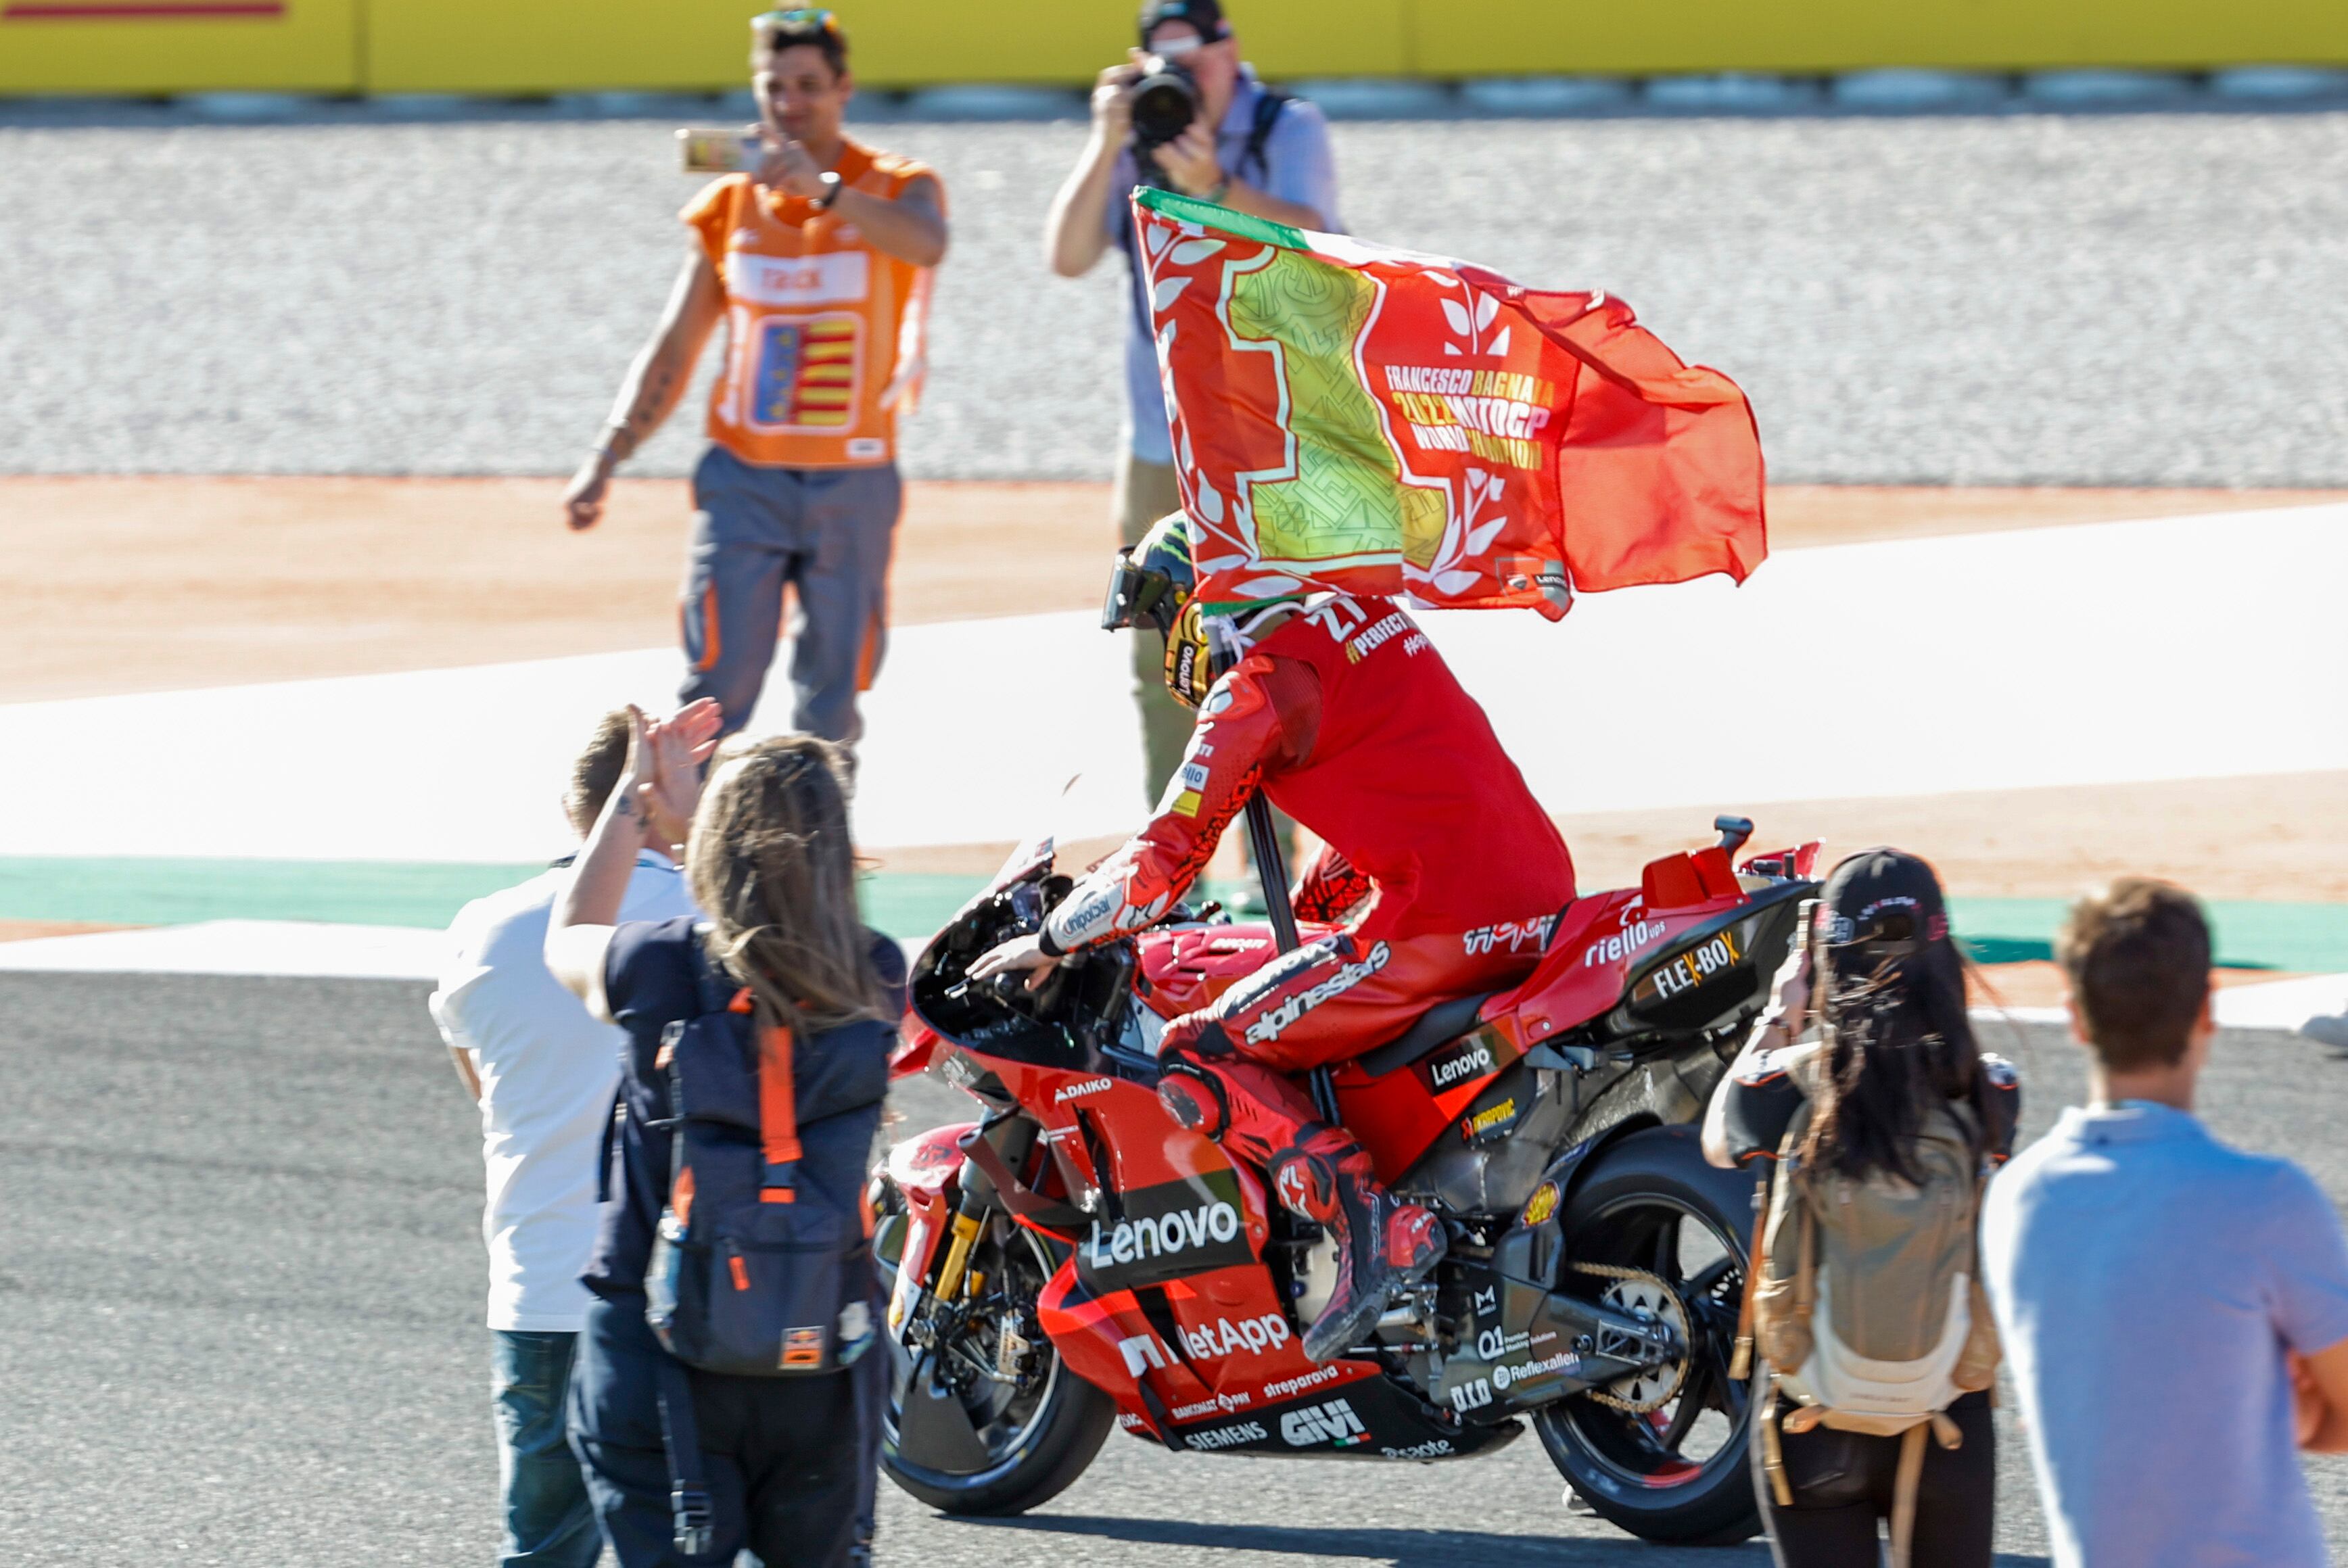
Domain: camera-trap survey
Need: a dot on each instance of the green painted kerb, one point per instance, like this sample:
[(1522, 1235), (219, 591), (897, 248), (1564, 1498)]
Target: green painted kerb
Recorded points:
[(2306, 937)]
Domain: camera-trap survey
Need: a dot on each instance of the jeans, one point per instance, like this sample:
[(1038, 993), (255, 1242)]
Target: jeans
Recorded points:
[(547, 1520), (789, 1477)]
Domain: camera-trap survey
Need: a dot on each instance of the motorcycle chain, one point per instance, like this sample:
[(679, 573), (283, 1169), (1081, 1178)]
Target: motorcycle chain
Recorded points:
[(1615, 1402)]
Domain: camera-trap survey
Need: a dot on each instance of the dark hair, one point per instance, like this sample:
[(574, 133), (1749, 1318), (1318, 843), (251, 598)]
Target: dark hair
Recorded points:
[(597, 772), (2137, 958), (1897, 1042), (812, 30)]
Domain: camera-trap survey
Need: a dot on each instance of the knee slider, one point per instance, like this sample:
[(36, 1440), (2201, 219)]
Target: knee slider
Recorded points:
[(1193, 1098)]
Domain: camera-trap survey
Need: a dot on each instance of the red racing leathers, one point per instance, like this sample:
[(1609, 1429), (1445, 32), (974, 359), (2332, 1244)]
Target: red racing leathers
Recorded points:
[(1445, 873)]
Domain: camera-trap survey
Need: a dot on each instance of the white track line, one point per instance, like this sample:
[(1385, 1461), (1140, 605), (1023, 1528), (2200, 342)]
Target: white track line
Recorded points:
[(2177, 648)]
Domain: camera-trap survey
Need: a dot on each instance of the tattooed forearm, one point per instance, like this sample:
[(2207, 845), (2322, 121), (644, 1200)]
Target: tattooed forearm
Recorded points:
[(646, 409)]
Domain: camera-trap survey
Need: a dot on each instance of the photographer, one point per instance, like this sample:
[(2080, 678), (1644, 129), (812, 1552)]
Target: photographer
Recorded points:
[(1242, 145)]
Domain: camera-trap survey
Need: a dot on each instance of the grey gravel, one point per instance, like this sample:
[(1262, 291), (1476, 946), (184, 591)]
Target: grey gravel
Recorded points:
[(1999, 298), (242, 1283)]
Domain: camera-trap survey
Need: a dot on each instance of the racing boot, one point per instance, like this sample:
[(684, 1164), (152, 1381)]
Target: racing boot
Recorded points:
[(1383, 1245)]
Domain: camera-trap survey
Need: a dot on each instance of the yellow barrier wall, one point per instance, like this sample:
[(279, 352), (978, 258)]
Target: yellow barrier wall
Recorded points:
[(557, 46), (1518, 38), (136, 47)]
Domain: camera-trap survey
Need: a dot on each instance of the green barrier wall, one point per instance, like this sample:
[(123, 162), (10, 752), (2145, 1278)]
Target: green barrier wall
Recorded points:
[(543, 45)]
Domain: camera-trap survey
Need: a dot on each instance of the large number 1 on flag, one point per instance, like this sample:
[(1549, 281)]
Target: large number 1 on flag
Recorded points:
[(1380, 422)]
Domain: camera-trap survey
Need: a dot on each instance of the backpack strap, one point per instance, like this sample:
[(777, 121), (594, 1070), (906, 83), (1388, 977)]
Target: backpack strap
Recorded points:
[(1740, 1364), (1269, 103), (692, 1517), (778, 1125)]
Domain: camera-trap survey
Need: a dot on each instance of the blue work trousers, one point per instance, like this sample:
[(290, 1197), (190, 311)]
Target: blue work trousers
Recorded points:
[(825, 535)]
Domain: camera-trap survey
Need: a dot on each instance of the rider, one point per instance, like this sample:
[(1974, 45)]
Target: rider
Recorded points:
[(1446, 874)]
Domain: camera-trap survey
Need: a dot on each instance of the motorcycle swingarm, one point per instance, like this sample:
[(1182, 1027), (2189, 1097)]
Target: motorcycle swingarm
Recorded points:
[(1522, 1345)]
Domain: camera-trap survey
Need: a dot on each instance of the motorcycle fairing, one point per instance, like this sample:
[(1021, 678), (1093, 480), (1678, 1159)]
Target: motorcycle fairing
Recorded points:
[(922, 1168), (1185, 1351), (1364, 1417)]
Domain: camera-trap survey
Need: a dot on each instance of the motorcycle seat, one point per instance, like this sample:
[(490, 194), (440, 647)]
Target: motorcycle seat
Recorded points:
[(1437, 1025)]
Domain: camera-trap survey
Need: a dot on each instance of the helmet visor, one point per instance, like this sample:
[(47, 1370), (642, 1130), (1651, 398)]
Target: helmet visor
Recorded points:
[(1138, 597)]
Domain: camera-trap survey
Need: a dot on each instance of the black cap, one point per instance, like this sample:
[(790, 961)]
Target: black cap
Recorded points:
[(1885, 900), (1206, 15)]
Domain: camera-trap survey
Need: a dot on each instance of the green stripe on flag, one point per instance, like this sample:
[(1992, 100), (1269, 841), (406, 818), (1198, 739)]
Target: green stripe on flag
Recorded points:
[(1192, 210)]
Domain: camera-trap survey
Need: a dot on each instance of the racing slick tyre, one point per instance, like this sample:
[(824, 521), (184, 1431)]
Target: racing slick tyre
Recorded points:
[(1651, 1227), (982, 1417)]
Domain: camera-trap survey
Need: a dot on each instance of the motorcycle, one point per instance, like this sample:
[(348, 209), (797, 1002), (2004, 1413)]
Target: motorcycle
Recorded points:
[(1075, 1260)]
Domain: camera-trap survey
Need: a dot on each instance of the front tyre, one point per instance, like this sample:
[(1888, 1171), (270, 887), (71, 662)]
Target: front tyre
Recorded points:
[(983, 1419), (1651, 1228)]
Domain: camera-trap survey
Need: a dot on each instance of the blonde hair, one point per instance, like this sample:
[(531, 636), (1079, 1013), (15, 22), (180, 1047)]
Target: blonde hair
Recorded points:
[(770, 866)]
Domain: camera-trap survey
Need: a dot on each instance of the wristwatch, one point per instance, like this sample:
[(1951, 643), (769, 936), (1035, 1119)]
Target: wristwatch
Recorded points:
[(1222, 188), (832, 189)]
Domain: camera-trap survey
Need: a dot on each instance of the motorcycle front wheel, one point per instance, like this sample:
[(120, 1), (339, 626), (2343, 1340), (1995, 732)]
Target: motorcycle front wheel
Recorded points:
[(1651, 1228), (983, 1419)]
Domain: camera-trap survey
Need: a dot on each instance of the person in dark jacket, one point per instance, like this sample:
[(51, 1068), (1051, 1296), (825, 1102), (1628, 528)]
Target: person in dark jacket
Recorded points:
[(789, 1461), (1884, 981)]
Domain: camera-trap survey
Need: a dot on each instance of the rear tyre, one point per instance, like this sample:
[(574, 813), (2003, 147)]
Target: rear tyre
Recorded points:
[(1668, 1233), (973, 1426)]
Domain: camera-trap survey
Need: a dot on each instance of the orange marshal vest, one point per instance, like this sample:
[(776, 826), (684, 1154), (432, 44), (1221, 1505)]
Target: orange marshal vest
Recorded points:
[(824, 333)]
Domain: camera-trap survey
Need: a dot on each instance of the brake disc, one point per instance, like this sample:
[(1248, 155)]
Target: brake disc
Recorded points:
[(1635, 1291)]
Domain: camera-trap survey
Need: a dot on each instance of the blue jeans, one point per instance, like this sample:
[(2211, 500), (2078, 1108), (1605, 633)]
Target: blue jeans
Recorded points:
[(547, 1522)]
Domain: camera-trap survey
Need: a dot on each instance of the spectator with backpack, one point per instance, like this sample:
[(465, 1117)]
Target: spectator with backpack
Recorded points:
[(728, 1384), (2178, 1309), (1245, 147), (543, 1072), (1875, 1347)]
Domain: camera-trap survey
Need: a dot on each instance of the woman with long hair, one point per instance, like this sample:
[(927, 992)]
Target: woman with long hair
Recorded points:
[(789, 1460), (1883, 1125)]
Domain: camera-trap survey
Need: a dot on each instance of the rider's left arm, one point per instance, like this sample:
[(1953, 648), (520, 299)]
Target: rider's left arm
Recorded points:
[(1262, 715)]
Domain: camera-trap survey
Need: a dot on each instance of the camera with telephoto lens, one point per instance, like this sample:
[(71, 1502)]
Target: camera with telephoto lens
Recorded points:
[(1164, 103)]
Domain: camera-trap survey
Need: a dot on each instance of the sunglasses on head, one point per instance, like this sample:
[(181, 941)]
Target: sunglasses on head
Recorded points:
[(800, 19)]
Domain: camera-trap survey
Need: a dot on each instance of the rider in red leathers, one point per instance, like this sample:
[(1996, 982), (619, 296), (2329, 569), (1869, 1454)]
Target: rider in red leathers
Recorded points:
[(1444, 874)]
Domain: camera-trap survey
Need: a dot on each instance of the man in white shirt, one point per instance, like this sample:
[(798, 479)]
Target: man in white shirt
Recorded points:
[(544, 1072)]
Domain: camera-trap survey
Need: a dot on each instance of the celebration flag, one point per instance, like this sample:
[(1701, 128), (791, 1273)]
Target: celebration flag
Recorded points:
[(1380, 422)]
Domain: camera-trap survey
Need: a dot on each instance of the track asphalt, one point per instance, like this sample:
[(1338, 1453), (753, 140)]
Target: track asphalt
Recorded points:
[(243, 1280), (2003, 299)]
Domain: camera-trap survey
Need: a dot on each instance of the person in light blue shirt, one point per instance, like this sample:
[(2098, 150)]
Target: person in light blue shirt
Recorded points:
[(2175, 1311), (1248, 148)]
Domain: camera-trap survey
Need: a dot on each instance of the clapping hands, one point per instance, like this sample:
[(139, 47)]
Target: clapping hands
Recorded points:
[(664, 768)]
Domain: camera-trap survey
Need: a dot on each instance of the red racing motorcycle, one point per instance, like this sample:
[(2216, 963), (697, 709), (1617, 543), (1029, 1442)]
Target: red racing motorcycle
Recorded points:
[(1074, 1260)]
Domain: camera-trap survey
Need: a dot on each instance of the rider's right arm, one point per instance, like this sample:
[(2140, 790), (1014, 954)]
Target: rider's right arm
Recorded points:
[(657, 379), (1263, 715)]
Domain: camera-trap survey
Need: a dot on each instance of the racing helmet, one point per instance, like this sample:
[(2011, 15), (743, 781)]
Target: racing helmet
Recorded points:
[(1151, 585)]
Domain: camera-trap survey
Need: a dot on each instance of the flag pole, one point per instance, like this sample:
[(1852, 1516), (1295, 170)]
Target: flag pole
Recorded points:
[(1263, 838)]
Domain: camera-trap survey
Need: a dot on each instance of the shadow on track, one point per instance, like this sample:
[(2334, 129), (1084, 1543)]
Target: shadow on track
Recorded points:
[(1400, 1548)]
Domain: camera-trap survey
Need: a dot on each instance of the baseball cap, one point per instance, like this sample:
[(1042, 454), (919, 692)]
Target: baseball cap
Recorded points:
[(1206, 15), (1885, 900)]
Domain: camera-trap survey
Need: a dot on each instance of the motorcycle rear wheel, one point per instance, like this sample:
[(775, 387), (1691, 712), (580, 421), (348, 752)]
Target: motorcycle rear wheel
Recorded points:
[(1652, 1209), (1031, 1441)]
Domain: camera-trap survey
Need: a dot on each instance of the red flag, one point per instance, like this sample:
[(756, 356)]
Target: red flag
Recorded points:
[(1381, 422)]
